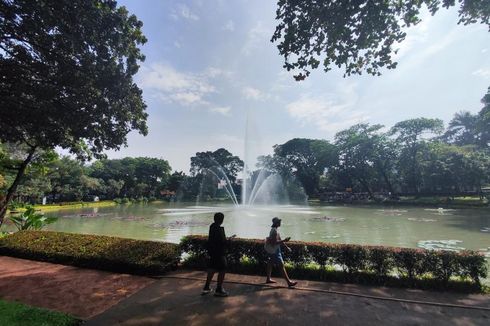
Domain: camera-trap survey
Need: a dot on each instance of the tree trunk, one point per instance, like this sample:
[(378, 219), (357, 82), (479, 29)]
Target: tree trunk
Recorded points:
[(11, 191), (388, 183), (366, 186)]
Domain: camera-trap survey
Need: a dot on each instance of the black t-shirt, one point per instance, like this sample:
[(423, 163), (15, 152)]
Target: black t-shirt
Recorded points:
[(216, 240)]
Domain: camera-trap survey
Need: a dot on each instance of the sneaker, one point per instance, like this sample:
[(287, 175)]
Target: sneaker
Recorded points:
[(206, 291), (292, 284), (220, 293)]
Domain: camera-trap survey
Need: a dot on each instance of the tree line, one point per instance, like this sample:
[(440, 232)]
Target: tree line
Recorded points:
[(415, 156)]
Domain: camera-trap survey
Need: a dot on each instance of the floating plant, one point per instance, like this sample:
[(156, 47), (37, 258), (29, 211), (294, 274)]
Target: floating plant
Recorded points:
[(449, 245), (329, 219), (421, 219)]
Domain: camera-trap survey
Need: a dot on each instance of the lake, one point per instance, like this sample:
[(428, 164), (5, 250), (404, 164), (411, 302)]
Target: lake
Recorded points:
[(399, 226)]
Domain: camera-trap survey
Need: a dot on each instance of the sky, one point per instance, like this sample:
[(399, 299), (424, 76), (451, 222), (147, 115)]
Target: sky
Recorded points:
[(211, 70)]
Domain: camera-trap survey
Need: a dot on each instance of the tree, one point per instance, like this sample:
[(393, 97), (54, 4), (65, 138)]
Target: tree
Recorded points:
[(356, 35), (409, 134), (66, 78), (462, 129), (453, 169), (483, 124), (136, 176), (221, 161), (65, 177), (358, 154), (308, 159)]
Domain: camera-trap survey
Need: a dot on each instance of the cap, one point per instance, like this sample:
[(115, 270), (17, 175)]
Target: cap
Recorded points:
[(276, 220)]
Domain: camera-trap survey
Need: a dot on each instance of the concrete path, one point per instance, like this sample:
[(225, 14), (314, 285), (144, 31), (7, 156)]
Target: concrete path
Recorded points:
[(104, 298), (176, 300)]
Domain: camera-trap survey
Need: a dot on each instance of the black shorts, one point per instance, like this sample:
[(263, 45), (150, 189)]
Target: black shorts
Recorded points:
[(217, 263)]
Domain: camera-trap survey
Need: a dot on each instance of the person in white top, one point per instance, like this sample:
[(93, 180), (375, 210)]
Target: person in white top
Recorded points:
[(273, 248)]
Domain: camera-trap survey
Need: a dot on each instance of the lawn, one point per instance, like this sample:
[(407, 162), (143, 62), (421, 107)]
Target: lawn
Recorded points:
[(14, 313)]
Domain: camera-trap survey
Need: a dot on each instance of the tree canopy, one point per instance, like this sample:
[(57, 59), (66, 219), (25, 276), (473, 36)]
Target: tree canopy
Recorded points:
[(356, 36), (219, 159), (66, 77)]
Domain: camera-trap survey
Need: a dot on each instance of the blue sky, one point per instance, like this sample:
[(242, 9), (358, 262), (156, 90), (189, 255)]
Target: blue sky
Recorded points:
[(210, 64)]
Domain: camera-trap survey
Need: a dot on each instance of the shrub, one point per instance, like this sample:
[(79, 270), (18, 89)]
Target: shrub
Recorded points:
[(410, 262), (472, 264), (352, 258), (380, 261), (369, 263), (93, 251), (442, 264)]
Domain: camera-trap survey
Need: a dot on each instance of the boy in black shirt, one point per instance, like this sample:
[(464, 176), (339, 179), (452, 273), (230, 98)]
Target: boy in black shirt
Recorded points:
[(217, 261)]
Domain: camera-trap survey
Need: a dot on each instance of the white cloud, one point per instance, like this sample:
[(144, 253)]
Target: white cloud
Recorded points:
[(177, 44), (221, 110), (183, 11), (257, 37), (328, 113), (485, 73), (417, 34), (253, 93), (484, 50), (229, 26), (213, 72), (175, 86)]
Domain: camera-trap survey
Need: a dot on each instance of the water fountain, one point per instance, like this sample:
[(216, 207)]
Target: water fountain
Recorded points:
[(261, 190)]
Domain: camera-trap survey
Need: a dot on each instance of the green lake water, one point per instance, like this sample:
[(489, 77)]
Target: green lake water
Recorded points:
[(401, 226)]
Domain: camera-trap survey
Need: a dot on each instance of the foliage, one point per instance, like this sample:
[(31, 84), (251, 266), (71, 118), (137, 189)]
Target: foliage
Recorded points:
[(219, 159), (306, 160), (66, 78), (414, 265), (30, 219), (357, 36), (18, 314), (131, 176), (92, 251)]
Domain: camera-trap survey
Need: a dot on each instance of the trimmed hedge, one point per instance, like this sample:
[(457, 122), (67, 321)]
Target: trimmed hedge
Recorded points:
[(376, 264), (93, 251)]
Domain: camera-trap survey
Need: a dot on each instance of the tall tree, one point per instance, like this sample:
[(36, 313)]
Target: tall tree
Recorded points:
[(357, 153), (358, 35), (308, 159), (410, 134), (220, 161), (462, 129), (483, 124), (66, 77)]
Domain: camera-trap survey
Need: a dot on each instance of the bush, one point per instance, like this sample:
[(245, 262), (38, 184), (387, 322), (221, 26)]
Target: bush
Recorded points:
[(340, 262), (93, 251)]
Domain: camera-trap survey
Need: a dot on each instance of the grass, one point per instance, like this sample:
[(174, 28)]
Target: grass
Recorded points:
[(17, 314), (52, 207)]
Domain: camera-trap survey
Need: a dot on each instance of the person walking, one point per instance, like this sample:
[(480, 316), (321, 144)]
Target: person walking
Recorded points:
[(217, 260), (273, 248)]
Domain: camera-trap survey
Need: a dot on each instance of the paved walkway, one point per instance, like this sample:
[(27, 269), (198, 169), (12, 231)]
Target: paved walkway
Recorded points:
[(117, 299), (80, 292)]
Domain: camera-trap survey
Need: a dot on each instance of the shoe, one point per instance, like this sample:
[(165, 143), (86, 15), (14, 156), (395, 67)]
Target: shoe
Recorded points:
[(221, 293), (206, 291), (270, 282), (292, 284)]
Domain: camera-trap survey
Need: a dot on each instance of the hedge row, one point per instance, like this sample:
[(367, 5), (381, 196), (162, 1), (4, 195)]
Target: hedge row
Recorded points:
[(93, 251), (352, 260)]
